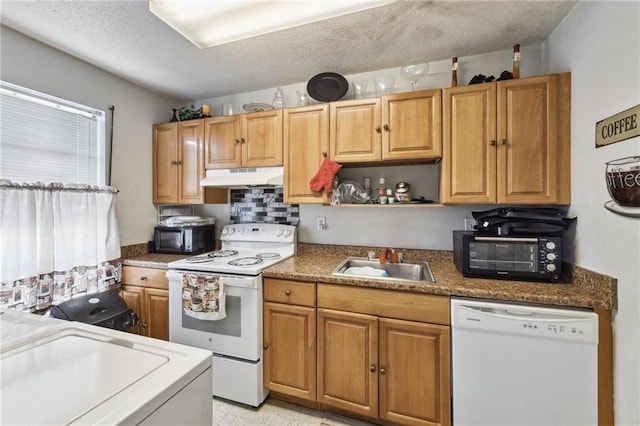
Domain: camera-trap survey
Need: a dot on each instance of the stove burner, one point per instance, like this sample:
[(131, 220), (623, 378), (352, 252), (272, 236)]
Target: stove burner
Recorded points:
[(268, 255), (223, 253), (198, 259), (245, 261)]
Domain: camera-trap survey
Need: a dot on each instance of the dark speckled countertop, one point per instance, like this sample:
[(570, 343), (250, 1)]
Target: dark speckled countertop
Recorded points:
[(152, 260), (315, 262)]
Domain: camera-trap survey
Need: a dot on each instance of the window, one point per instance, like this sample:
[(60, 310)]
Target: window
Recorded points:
[(47, 139)]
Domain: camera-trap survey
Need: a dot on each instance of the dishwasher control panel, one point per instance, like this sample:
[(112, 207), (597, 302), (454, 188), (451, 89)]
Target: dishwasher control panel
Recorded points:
[(553, 323)]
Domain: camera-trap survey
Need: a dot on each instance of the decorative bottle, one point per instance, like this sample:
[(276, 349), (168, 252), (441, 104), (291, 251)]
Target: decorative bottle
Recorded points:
[(516, 61), (279, 101), (454, 72)]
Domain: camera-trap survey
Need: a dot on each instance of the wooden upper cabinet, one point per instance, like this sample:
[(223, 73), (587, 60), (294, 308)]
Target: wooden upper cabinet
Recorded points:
[(178, 162), (245, 140), (190, 161), (222, 142), (306, 141), (355, 131), (411, 125), (533, 143), (507, 142), (165, 170), (468, 168), (262, 145)]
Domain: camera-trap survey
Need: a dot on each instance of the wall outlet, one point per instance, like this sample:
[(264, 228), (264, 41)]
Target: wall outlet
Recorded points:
[(321, 224), (469, 223)]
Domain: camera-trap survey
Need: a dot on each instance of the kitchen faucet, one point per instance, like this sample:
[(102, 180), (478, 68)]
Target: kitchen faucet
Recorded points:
[(389, 256)]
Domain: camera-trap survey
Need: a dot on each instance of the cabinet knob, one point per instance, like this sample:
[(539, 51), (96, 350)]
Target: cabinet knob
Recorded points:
[(143, 278), (386, 127), (242, 140), (493, 142), (174, 163), (287, 292), (383, 371), (237, 141), (378, 129), (142, 325), (503, 142), (372, 368), (266, 346)]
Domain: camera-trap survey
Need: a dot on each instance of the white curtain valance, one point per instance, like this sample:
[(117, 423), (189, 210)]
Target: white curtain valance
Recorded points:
[(56, 241)]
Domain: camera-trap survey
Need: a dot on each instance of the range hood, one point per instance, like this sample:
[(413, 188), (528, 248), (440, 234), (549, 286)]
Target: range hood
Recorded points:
[(255, 176)]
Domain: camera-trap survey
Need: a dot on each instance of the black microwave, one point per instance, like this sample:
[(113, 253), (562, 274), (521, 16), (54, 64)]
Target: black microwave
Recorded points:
[(188, 239), (529, 258)]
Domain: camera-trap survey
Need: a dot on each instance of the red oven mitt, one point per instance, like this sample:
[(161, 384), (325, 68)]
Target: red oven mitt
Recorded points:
[(324, 176)]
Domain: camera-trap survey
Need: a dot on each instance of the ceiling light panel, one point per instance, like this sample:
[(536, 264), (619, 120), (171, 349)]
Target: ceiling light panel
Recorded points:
[(208, 23)]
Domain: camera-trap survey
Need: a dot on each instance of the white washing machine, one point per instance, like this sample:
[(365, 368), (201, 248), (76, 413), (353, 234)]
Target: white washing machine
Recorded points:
[(55, 372)]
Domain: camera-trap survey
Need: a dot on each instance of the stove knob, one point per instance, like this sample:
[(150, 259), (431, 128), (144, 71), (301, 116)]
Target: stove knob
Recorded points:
[(232, 231), (279, 232), (551, 256), (551, 245), (287, 233), (225, 231), (551, 267)]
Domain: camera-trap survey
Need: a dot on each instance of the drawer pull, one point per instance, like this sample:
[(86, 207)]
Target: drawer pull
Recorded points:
[(383, 371), (287, 292), (143, 278), (266, 346), (372, 368)]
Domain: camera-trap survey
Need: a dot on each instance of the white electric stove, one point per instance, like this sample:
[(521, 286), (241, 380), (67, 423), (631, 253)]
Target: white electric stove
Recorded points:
[(230, 328)]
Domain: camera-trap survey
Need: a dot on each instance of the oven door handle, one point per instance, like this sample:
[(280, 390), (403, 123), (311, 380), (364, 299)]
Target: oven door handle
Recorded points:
[(244, 282)]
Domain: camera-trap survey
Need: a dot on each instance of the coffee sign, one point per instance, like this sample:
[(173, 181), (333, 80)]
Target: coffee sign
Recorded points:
[(624, 125)]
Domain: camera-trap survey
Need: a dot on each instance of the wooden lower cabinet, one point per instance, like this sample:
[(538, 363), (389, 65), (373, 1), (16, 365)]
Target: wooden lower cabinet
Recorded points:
[(342, 347), (348, 361), (394, 370), (290, 350), (146, 292), (289, 335)]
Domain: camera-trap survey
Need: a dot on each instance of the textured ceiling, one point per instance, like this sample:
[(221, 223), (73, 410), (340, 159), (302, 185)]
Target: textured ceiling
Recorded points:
[(124, 38)]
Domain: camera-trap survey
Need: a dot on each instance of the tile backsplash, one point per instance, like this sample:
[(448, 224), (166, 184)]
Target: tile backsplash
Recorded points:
[(262, 205)]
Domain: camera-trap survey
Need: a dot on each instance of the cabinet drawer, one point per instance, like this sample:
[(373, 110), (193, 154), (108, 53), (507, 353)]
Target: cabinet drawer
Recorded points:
[(145, 277), (290, 292), (385, 303)]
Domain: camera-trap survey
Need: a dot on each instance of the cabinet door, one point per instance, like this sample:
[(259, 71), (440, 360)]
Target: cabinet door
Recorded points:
[(262, 146), (222, 142), (411, 125), (190, 161), (165, 163), (133, 297), (355, 132), (468, 168), (348, 361), (414, 373), (156, 307), (306, 141), (528, 140), (290, 350)]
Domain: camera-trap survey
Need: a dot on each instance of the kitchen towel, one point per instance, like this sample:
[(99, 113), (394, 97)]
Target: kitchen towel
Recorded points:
[(203, 297), (324, 176), (366, 270)]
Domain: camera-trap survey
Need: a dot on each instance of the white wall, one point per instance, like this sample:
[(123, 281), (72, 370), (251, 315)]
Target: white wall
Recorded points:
[(36, 66), (598, 42), (428, 227)]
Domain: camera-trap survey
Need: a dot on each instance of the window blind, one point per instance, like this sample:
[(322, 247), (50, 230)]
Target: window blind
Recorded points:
[(48, 139)]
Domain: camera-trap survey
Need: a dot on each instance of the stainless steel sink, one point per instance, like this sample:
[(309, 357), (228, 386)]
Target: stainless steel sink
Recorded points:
[(412, 271)]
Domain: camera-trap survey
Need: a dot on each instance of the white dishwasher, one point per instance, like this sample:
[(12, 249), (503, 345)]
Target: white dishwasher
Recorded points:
[(521, 365)]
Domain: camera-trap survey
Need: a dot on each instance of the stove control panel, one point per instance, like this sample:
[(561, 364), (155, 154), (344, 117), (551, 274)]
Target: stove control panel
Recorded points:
[(259, 232)]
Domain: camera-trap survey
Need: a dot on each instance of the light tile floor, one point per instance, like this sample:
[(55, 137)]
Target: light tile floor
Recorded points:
[(274, 412)]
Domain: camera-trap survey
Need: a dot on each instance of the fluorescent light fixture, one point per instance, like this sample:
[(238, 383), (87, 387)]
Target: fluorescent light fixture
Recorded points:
[(208, 23)]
